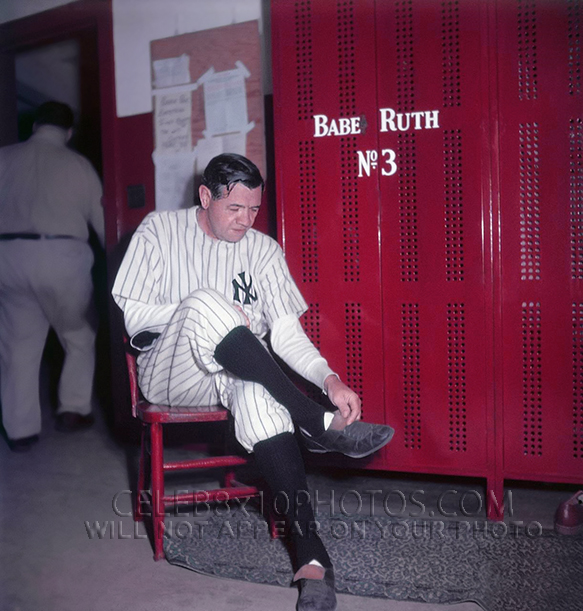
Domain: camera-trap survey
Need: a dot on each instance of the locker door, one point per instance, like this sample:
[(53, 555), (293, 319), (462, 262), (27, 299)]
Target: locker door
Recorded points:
[(437, 292), (541, 206), (324, 64)]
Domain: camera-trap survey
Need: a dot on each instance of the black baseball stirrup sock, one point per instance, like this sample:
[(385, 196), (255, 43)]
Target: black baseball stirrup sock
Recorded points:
[(242, 354), (281, 464)]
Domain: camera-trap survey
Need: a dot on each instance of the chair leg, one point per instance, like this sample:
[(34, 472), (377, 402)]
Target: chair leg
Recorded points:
[(158, 511), (229, 478), (274, 532), (138, 514)]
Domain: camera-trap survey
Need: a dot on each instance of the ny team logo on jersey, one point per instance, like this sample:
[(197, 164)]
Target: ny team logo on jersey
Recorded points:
[(244, 290)]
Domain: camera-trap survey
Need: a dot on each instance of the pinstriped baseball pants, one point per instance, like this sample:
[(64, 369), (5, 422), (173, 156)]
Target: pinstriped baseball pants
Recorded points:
[(181, 370)]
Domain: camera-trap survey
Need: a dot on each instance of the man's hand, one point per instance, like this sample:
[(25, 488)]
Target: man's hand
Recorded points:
[(345, 399), (247, 322)]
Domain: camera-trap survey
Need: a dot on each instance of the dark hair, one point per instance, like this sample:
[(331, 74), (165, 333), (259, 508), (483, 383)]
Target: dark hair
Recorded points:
[(55, 113), (224, 171)]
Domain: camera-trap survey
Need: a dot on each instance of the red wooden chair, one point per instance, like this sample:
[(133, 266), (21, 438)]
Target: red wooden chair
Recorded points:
[(153, 418)]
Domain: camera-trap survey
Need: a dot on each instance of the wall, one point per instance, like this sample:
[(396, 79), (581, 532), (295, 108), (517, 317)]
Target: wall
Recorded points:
[(15, 9), (49, 72), (137, 22)]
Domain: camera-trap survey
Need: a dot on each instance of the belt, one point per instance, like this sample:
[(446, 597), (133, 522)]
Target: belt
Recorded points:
[(36, 236)]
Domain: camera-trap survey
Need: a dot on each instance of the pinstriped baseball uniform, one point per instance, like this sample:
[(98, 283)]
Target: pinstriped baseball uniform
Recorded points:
[(184, 284)]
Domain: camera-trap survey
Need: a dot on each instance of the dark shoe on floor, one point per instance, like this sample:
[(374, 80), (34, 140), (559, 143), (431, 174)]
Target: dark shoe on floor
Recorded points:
[(317, 594), (357, 440), (569, 516), (23, 444), (69, 422)]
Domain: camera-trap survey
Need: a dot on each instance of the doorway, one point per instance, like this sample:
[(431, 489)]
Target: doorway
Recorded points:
[(66, 54), (65, 71)]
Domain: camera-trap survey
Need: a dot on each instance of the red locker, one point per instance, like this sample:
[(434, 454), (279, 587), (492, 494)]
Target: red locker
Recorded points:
[(328, 218), (440, 242), (540, 199), (436, 290)]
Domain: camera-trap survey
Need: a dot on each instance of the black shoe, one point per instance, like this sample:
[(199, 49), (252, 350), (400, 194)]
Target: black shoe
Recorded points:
[(69, 422), (317, 594), (357, 440), (23, 444)]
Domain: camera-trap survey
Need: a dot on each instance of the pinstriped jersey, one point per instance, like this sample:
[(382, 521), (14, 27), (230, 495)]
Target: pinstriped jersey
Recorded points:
[(170, 256)]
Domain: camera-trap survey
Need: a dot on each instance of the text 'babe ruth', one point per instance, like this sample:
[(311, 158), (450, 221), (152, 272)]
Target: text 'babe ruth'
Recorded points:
[(200, 289)]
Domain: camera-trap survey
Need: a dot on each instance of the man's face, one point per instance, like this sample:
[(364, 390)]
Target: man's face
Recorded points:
[(231, 217)]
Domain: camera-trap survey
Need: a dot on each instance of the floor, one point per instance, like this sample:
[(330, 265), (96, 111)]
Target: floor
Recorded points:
[(55, 498)]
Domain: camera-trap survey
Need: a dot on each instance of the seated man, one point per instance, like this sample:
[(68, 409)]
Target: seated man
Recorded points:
[(200, 289)]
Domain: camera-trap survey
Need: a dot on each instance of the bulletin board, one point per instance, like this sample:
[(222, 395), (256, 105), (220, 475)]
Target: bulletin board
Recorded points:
[(207, 99)]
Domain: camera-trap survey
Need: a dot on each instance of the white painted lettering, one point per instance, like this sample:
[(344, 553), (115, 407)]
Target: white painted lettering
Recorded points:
[(387, 119), (402, 122), (389, 158), (403, 127), (363, 163), (418, 116), (432, 119), (336, 127), (321, 128), (344, 126), (333, 131)]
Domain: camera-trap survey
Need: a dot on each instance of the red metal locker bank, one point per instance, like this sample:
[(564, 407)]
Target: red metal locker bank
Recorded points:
[(429, 178)]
